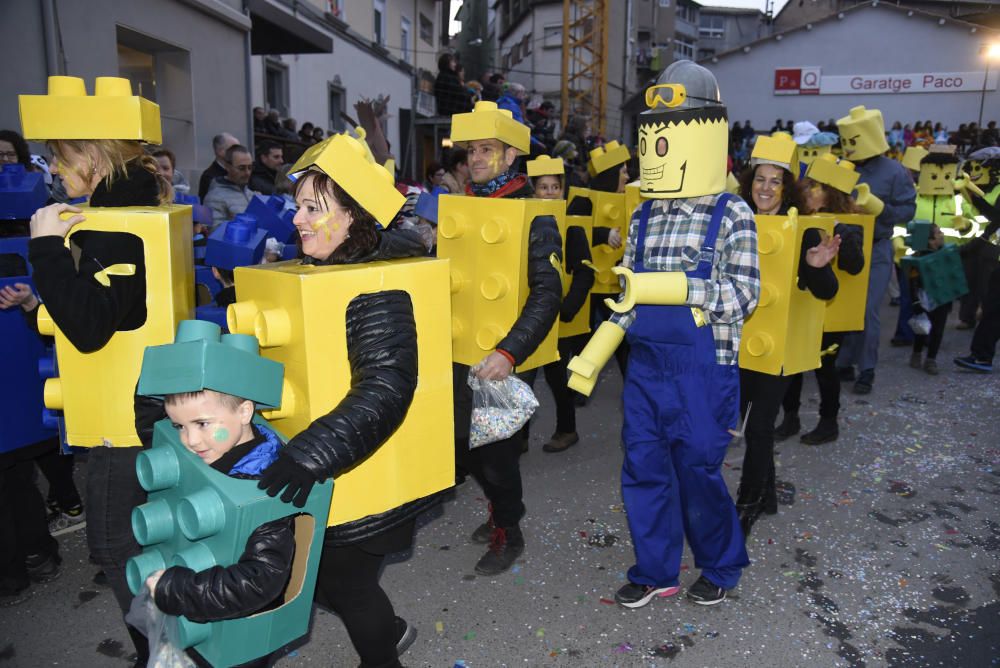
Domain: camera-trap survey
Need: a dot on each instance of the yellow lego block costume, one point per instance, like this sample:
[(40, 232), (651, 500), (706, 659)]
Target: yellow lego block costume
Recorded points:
[(846, 311), (784, 333), (913, 156), (487, 121), (607, 210), (839, 174), (605, 157), (298, 312), (486, 240), (545, 165), (96, 390), (67, 112), (778, 149)]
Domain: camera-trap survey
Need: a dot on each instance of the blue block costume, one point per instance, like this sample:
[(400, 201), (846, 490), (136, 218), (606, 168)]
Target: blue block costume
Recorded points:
[(679, 405)]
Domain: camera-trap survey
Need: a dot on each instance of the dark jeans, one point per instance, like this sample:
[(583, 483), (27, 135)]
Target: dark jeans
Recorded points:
[(599, 312), (938, 318), (557, 377), (979, 265), (765, 393), (827, 379), (903, 330), (23, 527), (58, 470), (113, 490), (496, 466), (984, 340)]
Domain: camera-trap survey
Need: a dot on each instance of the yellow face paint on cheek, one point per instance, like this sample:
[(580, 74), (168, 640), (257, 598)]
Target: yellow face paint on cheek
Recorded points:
[(321, 223)]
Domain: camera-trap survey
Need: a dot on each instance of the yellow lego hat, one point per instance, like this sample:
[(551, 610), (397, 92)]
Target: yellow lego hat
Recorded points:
[(605, 157), (778, 149), (486, 121), (913, 156), (840, 175), (67, 112), (862, 134), (348, 161), (545, 165)]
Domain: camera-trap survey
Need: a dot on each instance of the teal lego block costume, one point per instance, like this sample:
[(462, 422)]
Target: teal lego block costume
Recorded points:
[(941, 273), (198, 517), (918, 234)]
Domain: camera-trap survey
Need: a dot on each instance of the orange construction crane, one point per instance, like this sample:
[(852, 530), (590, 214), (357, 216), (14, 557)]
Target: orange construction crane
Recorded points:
[(585, 61)]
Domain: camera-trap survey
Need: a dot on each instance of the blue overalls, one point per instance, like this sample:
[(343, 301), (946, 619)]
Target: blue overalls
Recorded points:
[(679, 405)]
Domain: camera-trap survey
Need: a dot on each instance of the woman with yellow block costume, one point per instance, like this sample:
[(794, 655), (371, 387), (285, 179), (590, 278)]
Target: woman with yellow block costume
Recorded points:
[(772, 192), (337, 220), (102, 158)]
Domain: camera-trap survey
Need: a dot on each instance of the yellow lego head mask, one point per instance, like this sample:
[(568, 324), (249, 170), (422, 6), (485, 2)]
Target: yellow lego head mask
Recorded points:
[(838, 174), (544, 165), (809, 153), (348, 161), (862, 134), (486, 121), (913, 156), (778, 149), (979, 172), (605, 157), (67, 112), (684, 135), (938, 172)]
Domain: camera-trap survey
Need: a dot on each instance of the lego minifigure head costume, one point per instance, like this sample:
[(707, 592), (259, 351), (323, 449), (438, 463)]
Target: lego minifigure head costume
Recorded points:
[(684, 135), (814, 145), (492, 138), (938, 172), (862, 134)]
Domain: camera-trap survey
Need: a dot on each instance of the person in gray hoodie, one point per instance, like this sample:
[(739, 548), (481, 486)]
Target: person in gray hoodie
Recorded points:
[(229, 194)]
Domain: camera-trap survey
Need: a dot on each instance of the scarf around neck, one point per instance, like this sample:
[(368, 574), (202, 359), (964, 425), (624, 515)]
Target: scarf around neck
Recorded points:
[(493, 185)]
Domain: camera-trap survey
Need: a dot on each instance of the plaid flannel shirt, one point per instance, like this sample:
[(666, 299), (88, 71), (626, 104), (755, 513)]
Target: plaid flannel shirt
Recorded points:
[(675, 233)]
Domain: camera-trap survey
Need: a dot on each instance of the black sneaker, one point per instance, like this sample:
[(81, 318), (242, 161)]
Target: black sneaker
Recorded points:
[(789, 426), (970, 362), (864, 383), (14, 591), (506, 545), (633, 595), (704, 592), (825, 432), (406, 634), (846, 374), (43, 567)]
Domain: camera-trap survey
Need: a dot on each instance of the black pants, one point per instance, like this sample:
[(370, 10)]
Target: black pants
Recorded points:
[(348, 584), (599, 312), (496, 466), (827, 379), (23, 527), (58, 470), (557, 377), (979, 265), (765, 393), (984, 340), (938, 318)]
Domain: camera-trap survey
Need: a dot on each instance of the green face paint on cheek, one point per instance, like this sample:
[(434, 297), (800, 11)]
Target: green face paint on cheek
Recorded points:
[(221, 434)]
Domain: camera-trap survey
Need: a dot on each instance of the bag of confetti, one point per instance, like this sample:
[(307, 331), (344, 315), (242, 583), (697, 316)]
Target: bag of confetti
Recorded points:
[(499, 408)]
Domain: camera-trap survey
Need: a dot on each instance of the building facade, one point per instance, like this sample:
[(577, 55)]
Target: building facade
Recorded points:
[(722, 29)]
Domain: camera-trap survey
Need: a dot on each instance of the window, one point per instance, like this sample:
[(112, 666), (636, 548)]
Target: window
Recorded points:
[(552, 37), (379, 26), (404, 38), (683, 48), (526, 44), (712, 26), (664, 3), (686, 13), (276, 86), (337, 97), (426, 30), (336, 7)]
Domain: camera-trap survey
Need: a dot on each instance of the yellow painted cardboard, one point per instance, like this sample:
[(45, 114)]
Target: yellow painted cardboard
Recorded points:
[(840, 175), (487, 242), (846, 311), (67, 112), (937, 180), (609, 210), (809, 153), (607, 156), (95, 390), (778, 149), (545, 165), (783, 334), (862, 134), (682, 153), (978, 173), (298, 312), (580, 324), (486, 121)]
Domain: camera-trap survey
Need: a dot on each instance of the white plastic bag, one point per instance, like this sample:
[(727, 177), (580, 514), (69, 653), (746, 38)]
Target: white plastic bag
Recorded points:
[(920, 324), (499, 408), (161, 631)]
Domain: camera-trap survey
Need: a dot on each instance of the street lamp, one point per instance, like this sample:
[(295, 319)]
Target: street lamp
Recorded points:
[(992, 51)]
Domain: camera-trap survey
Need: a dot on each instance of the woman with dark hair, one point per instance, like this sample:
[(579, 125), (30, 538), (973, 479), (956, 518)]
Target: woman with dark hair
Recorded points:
[(768, 186), (13, 149), (449, 91), (457, 174), (336, 229)]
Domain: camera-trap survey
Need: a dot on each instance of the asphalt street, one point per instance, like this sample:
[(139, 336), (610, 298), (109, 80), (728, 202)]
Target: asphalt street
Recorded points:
[(885, 552)]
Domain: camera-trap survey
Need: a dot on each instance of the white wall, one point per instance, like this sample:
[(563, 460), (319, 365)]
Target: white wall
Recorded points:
[(868, 40)]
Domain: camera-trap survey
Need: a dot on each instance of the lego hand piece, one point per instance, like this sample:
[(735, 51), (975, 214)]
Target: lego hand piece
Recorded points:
[(48, 221), (286, 474), (656, 288), (585, 367), (963, 182), (961, 224), (868, 202)]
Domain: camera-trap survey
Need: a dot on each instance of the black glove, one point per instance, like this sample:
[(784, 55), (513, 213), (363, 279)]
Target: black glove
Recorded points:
[(286, 473)]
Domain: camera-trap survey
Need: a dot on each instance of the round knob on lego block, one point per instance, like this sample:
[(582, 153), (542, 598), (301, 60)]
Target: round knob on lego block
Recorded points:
[(140, 567), (452, 226), (240, 317), (191, 633), (273, 327), (197, 330), (157, 468), (243, 342), (768, 295), (456, 327), (67, 87), (201, 514), (112, 87), (759, 345), (458, 281), (47, 365), (46, 325), (606, 277), (52, 394), (769, 242), (488, 337), (611, 212), (197, 557), (494, 231), (152, 522), (287, 407), (495, 286)]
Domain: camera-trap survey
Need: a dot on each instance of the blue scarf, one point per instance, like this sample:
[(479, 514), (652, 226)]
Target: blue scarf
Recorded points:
[(493, 185), (258, 459)]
